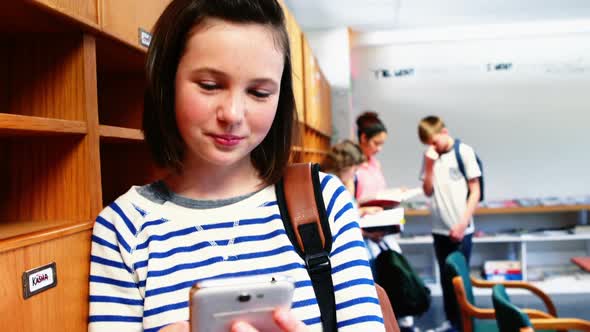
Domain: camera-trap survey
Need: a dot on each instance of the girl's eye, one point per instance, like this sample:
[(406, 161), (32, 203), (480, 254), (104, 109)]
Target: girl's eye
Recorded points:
[(209, 86), (259, 93)]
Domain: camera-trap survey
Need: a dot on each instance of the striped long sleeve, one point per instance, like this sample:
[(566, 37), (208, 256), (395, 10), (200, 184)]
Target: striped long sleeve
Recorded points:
[(146, 255)]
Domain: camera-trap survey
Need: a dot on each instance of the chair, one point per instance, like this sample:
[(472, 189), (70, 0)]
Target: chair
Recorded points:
[(457, 278), (512, 319)]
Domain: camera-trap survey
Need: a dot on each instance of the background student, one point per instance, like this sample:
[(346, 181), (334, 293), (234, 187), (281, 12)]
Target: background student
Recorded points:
[(454, 199)]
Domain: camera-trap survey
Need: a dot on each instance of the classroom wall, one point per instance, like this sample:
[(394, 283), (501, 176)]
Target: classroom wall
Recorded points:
[(522, 100)]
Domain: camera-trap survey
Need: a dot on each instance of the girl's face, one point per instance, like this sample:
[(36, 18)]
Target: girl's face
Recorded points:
[(226, 90), (373, 145)]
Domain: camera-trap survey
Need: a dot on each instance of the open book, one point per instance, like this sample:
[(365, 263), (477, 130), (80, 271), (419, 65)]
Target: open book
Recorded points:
[(389, 221), (391, 198)]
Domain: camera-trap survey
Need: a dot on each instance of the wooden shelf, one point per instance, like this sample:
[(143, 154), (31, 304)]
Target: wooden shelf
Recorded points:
[(17, 234), (512, 210), (533, 209), (316, 151), (427, 239), (120, 134), (14, 124)]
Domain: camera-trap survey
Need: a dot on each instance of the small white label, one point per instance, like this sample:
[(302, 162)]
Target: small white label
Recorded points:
[(40, 279), (145, 38)]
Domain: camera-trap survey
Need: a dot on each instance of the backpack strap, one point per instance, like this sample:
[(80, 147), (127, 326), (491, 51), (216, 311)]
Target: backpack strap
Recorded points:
[(300, 201), (461, 166), (459, 158)]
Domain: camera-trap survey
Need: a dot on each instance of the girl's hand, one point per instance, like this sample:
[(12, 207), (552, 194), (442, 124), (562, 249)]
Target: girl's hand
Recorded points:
[(284, 318), (366, 210)]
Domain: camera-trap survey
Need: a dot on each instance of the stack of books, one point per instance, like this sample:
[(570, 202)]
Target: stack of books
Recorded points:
[(502, 270)]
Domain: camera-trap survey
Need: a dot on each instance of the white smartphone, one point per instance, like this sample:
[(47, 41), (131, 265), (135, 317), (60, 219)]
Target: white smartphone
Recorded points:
[(216, 304)]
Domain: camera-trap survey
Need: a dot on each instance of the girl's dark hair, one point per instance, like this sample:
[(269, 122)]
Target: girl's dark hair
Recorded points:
[(369, 124), (170, 34)]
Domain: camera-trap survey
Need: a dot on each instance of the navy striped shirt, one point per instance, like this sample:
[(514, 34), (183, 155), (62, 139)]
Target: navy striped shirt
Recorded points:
[(146, 255)]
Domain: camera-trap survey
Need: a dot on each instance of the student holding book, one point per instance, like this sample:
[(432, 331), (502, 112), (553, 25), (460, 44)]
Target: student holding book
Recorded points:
[(454, 199), (344, 160), (372, 135), (219, 112)]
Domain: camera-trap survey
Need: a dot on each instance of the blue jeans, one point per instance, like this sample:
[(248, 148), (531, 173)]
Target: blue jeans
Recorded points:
[(443, 247)]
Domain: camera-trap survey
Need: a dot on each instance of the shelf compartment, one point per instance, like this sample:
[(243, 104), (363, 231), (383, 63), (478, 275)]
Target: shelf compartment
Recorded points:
[(19, 125), (120, 83), (43, 75), (123, 166), (120, 134), (44, 179)]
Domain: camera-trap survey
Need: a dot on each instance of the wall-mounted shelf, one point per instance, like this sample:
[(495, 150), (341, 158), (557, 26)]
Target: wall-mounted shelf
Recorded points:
[(17, 125), (512, 210), (120, 134)]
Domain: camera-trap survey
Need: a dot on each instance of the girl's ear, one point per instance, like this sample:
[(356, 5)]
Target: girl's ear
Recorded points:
[(363, 139)]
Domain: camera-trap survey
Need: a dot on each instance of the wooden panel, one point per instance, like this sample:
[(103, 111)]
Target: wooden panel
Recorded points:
[(85, 11), (295, 39), (42, 75), (11, 124), (311, 80), (92, 154), (124, 165), (123, 19), (325, 116), (63, 308)]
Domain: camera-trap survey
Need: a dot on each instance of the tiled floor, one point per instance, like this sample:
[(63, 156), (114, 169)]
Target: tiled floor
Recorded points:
[(572, 306)]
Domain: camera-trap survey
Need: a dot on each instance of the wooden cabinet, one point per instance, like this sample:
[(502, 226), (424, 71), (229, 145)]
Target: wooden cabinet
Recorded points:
[(71, 101), (318, 108), (124, 19), (70, 141), (63, 308)]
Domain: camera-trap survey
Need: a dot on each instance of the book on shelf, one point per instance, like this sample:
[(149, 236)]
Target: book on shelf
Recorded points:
[(391, 198), (528, 202), (389, 221), (502, 270), (581, 229)]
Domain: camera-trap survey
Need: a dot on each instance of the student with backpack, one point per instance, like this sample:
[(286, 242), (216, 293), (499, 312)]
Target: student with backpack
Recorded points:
[(219, 112), (452, 176)]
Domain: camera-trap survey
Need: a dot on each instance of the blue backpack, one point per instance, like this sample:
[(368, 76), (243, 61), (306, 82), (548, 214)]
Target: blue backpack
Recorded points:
[(462, 167)]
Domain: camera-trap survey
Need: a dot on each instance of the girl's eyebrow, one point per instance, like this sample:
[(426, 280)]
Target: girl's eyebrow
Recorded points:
[(221, 74), (260, 81), (208, 70)]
